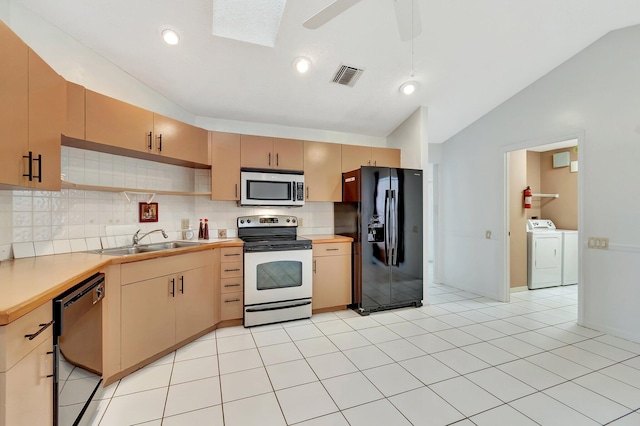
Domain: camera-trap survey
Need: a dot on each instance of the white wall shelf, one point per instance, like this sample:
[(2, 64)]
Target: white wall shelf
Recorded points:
[(546, 195), (125, 191)]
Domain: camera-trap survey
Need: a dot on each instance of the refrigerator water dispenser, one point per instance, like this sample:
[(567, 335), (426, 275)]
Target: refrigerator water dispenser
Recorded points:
[(375, 231)]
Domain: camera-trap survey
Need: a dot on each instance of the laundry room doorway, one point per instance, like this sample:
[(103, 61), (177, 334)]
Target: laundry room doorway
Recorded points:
[(550, 170)]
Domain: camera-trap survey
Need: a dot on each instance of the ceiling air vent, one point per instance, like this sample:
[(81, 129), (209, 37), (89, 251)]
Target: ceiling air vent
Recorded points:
[(346, 75)]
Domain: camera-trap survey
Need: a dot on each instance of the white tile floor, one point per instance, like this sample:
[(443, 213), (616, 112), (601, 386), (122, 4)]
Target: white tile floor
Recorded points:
[(463, 360)]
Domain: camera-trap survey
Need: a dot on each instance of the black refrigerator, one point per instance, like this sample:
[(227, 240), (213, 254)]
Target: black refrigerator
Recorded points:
[(381, 210)]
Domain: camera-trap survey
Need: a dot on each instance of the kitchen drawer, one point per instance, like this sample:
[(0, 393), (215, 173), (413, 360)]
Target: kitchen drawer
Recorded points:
[(331, 249), (12, 336), (231, 306), (231, 285), (231, 270), (231, 254)]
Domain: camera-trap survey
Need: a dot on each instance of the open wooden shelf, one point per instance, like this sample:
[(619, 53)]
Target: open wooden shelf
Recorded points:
[(69, 185)]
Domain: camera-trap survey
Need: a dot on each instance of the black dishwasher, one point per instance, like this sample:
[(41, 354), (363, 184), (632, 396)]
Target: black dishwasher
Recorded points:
[(77, 340)]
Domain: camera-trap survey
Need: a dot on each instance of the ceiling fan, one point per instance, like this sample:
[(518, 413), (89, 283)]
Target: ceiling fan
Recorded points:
[(407, 16)]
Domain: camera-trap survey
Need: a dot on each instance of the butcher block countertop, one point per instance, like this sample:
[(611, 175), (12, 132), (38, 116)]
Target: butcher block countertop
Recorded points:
[(25, 284), (328, 238)]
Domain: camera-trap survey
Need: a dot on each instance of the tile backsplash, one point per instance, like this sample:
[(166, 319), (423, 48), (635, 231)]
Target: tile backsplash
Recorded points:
[(33, 216)]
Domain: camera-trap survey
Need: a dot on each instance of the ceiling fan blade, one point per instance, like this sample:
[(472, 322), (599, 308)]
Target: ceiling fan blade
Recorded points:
[(406, 12), (328, 13)]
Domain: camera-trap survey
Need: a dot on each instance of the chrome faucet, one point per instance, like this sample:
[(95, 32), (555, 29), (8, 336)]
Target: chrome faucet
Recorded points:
[(137, 239)]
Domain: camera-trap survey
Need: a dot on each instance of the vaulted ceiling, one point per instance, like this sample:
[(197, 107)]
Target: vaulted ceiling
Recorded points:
[(469, 57)]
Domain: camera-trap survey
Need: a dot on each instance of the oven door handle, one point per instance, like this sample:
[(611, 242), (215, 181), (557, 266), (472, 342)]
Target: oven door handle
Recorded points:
[(276, 308)]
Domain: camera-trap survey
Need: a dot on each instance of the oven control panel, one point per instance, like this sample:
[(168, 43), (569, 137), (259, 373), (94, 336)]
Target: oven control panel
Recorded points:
[(265, 221)]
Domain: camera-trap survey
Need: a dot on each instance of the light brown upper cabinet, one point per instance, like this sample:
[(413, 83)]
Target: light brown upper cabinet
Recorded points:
[(75, 111), (354, 156), (119, 124), (263, 152), (32, 116), (322, 176), (225, 166), (387, 157), (116, 123), (176, 139), (47, 120), (14, 108)]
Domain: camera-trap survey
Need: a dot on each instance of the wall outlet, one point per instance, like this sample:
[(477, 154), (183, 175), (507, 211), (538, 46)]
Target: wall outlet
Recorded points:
[(300, 222), (598, 243), (222, 233)]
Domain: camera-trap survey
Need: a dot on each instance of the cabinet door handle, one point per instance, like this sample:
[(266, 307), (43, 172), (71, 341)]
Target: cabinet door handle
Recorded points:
[(150, 136), (368, 162), (37, 333), (277, 159), (307, 192), (375, 163), (232, 254), (269, 158), (231, 300), (54, 364), (182, 284), (333, 249), (314, 266), (173, 287), (232, 270), (160, 142), (39, 160), (232, 285), (236, 190), (29, 174)]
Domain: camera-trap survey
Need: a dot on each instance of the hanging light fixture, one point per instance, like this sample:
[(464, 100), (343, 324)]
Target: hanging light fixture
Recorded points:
[(409, 87)]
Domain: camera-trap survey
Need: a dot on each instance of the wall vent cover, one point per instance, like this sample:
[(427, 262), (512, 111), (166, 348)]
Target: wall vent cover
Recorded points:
[(346, 75)]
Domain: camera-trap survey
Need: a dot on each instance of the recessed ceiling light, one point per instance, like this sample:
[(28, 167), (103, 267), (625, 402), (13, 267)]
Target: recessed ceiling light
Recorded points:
[(302, 64), (408, 87), (170, 36)]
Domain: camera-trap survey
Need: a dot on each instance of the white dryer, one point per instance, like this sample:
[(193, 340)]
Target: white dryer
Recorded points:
[(569, 257), (544, 254)]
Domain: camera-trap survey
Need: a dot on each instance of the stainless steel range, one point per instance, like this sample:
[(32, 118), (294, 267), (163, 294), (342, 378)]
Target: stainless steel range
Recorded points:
[(277, 270)]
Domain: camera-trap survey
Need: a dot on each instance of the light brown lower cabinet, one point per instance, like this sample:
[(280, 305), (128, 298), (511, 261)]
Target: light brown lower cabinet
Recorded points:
[(173, 305), (26, 366), (331, 275)]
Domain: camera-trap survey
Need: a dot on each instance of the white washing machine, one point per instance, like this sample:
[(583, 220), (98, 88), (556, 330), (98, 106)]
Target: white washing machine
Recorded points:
[(544, 254), (569, 257)]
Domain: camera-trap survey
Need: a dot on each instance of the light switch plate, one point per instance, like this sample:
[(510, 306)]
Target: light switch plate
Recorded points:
[(574, 167)]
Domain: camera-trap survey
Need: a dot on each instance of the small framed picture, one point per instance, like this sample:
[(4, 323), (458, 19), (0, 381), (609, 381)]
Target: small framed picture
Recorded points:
[(148, 212)]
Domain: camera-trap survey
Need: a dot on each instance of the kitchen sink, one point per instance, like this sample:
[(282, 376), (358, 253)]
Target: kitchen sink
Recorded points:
[(118, 251), (146, 248), (167, 246)]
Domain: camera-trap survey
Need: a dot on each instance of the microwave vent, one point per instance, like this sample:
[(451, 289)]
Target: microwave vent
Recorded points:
[(346, 75)]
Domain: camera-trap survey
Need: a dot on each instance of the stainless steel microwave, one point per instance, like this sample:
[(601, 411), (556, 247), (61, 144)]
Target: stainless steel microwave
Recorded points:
[(271, 188)]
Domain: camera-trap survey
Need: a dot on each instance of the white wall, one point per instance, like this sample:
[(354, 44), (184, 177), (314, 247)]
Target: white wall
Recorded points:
[(594, 94), (265, 129), (410, 137)]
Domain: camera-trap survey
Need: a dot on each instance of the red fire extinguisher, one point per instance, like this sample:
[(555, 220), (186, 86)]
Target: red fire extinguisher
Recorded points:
[(528, 194)]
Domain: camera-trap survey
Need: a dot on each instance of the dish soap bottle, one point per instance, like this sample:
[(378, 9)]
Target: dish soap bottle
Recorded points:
[(201, 231), (206, 229)]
